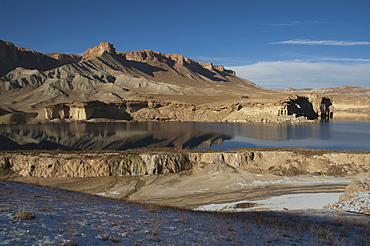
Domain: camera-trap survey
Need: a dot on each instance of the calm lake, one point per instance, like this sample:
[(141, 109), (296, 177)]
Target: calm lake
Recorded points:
[(335, 135)]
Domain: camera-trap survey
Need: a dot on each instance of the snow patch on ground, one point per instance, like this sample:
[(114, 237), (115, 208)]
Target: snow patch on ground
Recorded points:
[(201, 190), (71, 218), (298, 180), (290, 202)]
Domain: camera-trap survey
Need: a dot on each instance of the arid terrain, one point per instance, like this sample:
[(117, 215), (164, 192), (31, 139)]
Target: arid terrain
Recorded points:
[(32, 214), (105, 85), (147, 85), (189, 179), (285, 202)]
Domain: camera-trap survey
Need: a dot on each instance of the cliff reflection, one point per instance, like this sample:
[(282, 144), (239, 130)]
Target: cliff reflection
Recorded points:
[(122, 136), (107, 136)]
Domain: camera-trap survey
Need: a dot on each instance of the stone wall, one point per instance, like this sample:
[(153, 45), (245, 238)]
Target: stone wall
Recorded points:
[(286, 162)]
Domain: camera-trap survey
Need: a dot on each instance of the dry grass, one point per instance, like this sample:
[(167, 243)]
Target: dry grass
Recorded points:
[(24, 215), (123, 222)]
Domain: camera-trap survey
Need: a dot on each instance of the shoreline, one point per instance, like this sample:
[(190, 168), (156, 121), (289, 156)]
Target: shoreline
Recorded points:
[(186, 178)]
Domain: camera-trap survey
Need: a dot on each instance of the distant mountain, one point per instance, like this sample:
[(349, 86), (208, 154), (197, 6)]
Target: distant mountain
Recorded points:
[(342, 90), (34, 80)]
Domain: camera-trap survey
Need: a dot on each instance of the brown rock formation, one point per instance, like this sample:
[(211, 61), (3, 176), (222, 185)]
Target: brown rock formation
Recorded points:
[(186, 89), (12, 57), (261, 161), (171, 60), (105, 75), (97, 51), (296, 109), (65, 58)]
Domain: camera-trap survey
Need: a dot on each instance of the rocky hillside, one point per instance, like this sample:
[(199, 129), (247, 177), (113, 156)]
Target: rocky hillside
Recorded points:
[(12, 57), (37, 87), (103, 74)]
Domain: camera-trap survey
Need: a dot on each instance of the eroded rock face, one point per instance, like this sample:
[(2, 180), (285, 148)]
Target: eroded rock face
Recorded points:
[(81, 111), (95, 164), (171, 60), (97, 51), (300, 109), (12, 57), (65, 58)]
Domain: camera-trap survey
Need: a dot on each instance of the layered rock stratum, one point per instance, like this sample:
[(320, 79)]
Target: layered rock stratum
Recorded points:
[(36, 87), (287, 162), (12, 57), (189, 179)]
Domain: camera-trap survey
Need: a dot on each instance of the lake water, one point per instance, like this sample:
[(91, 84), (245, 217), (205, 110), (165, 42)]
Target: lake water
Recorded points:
[(335, 135)]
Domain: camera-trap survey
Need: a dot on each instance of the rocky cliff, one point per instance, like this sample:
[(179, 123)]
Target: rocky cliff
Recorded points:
[(187, 90), (99, 50), (65, 58), (172, 60), (12, 57), (106, 75), (287, 162), (293, 109)]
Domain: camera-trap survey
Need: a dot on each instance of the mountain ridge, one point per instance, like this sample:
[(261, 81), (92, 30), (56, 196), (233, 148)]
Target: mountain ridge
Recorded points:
[(182, 89), (104, 74), (12, 56)]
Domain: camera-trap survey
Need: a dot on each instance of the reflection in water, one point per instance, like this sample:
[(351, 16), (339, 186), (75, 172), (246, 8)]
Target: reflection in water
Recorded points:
[(107, 136), (186, 135)]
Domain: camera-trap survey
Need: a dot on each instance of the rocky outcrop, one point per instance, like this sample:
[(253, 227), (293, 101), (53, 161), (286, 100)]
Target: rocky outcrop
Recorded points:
[(356, 198), (298, 109), (312, 107), (172, 60), (12, 57), (82, 111), (261, 161), (65, 58), (99, 50), (107, 76), (354, 187), (350, 102), (94, 164)]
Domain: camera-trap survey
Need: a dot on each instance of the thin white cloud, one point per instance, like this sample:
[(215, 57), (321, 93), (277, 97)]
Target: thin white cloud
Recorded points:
[(342, 59), (304, 74), (322, 42), (223, 60), (294, 23)]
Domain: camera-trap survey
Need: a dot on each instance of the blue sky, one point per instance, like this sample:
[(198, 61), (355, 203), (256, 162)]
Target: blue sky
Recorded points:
[(274, 43)]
